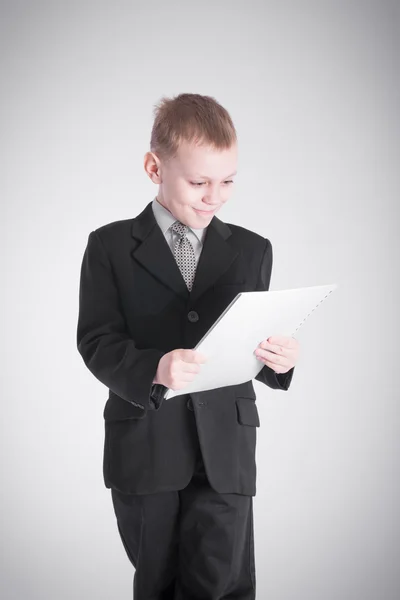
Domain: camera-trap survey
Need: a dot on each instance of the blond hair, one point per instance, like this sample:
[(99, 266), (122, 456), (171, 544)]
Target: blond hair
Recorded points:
[(192, 118)]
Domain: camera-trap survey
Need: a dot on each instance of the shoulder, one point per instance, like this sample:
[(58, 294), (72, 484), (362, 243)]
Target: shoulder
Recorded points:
[(111, 238), (248, 238), (111, 235), (114, 228)]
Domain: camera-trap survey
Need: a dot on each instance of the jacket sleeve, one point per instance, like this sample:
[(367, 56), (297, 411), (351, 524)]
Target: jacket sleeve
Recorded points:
[(157, 395), (102, 338), (276, 381)]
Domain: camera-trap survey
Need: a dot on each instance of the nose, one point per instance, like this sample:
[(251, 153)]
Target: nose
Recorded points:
[(213, 199)]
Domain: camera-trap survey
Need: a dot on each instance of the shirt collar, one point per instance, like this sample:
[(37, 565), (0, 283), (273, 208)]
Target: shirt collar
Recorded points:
[(165, 219)]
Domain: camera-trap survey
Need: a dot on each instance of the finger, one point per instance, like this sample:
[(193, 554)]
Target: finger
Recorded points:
[(281, 340), (272, 365), (283, 351), (275, 368), (184, 379), (187, 376), (193, 356), (271, 357), (201, 358), (186, 367)]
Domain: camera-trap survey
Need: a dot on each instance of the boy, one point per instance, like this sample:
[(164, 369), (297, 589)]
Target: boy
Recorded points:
[(182, 472)]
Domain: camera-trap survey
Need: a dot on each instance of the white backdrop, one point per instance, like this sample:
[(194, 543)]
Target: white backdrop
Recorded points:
[(313, 89)]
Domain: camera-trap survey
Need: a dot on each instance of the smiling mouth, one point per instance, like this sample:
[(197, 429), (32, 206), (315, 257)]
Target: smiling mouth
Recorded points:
[(204, 211)]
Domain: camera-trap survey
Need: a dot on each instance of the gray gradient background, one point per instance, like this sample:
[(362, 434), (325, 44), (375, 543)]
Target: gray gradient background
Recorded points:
[(313, 89)]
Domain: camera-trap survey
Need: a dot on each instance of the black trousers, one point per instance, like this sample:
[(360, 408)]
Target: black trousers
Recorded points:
[(189, 544)]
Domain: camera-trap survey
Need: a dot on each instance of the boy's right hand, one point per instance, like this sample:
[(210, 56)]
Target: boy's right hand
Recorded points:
[(178, 368)]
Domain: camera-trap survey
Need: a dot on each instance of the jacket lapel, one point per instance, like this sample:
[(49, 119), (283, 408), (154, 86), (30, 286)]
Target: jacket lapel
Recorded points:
[(156, 257)]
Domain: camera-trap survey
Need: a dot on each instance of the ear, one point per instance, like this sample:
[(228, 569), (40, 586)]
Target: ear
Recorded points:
[(151, 164)]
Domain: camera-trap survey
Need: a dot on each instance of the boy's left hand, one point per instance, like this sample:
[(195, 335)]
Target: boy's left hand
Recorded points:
[(278, 352)]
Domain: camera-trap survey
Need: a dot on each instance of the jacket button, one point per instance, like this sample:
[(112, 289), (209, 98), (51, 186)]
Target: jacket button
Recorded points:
[(189, 404), (193, 316)]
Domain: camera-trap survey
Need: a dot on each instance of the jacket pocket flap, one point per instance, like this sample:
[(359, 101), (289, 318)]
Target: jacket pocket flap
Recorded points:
[(116, 408), (247, 411)]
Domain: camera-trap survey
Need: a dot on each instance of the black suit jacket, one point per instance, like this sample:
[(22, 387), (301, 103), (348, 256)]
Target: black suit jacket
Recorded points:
[(134, 307)]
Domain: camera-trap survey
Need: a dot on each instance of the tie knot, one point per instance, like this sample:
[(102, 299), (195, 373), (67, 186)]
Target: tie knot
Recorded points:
[(179, 227)]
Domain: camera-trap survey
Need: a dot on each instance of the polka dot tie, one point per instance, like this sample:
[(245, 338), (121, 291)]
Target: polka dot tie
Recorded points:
[(184, 254)]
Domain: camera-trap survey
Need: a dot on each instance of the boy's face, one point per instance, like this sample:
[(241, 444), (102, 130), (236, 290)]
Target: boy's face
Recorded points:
[(198, 179)]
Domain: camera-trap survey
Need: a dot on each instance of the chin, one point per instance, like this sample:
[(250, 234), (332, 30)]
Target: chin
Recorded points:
[(204, 215)]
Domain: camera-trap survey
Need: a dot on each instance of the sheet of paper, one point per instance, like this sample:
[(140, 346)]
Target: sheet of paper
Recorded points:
[(250, 318)]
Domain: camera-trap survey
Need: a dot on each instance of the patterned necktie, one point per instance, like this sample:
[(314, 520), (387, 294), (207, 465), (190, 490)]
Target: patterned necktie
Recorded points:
[(184, 254)]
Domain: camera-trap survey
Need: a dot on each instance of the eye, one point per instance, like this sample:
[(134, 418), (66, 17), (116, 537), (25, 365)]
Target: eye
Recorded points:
[(202, 183)]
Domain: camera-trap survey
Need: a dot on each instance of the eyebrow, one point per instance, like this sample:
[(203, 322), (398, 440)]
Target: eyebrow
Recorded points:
[(205, 177)]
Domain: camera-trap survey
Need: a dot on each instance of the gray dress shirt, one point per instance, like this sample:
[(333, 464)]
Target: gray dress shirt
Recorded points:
[(165, 219)]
